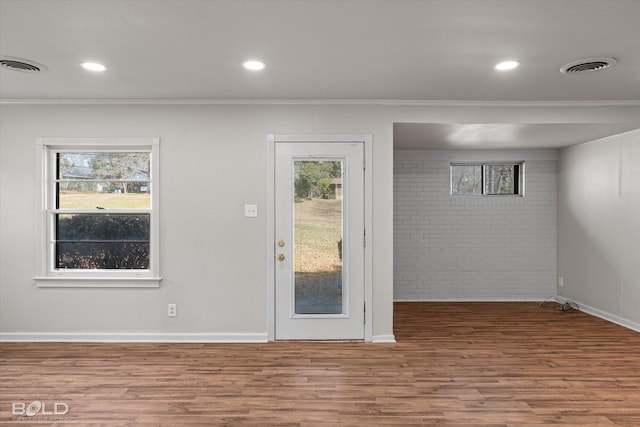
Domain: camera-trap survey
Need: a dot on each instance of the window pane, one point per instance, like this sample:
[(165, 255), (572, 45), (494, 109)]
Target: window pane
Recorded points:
[(499, 179), (107, 166), (102, 256), (102, 241), (108, 194), (466, 179), (318, 237)]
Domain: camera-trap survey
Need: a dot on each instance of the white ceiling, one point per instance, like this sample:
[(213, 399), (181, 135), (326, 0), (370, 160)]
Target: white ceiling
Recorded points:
[(321, 50), (465, 136)]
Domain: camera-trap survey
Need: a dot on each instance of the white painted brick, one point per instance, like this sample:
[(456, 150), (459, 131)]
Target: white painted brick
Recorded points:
[(470, 248)]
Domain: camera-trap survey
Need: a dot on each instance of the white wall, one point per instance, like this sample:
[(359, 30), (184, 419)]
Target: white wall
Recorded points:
[(213, 161), (473, 248), (599, 226)]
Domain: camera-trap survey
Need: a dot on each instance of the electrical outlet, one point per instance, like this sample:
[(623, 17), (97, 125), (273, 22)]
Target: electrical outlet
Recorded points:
[(250, 211), (172, 310), (560, 281)]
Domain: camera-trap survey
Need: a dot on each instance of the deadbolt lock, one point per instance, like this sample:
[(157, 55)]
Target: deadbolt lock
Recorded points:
[(281, 243)]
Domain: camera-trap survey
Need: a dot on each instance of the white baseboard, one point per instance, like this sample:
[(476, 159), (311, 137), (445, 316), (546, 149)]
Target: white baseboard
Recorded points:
[(134, 337), (602, 314), (149, 337), (383, 339)]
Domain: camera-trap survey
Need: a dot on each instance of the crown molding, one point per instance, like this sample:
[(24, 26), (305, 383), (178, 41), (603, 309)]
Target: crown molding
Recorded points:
[(376, 102)]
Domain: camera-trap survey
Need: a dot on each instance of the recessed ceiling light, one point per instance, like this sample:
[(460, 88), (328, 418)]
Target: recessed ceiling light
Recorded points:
[(253, 65), (93, 66), (507, 65)]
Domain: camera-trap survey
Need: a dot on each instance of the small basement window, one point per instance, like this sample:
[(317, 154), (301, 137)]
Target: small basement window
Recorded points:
[(487, 179)]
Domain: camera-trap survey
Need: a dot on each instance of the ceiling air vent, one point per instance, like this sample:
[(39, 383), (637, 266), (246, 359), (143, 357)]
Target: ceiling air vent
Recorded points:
[(588, 65), (20, 64)]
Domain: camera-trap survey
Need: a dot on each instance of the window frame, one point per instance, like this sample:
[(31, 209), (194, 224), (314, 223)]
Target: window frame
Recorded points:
[(519, 178), (47, 273)]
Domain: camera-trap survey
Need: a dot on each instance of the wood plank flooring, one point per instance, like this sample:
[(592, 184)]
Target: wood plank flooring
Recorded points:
[(455, 364)]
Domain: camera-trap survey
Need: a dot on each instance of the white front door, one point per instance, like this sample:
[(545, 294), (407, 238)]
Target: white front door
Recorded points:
[(319, 247)]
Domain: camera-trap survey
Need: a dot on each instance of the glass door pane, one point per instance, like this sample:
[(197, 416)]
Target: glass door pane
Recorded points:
[(318, 235)]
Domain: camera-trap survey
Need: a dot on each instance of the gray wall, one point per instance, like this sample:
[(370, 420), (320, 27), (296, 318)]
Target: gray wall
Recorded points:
[(473, 248), (213, 161), (599, 226)]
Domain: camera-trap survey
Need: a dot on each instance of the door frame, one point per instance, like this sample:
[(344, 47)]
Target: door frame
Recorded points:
[(272, 139)]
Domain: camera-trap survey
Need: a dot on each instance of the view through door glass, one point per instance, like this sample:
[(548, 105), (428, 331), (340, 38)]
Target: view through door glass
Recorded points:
[(318, 234)]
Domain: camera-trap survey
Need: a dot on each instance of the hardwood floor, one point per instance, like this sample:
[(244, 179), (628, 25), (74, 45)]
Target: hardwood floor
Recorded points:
[(466, 364)]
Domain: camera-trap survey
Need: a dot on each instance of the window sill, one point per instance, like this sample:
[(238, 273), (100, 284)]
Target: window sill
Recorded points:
[(97, 282)]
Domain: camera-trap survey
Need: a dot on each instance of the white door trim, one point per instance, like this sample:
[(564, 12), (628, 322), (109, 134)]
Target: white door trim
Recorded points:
[(270, 217)]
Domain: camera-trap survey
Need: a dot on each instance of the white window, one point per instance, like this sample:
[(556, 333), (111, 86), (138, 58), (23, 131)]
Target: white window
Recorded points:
[(99, 212), (487, 179)]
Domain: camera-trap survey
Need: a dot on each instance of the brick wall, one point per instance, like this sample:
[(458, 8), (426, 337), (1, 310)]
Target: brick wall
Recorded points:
[(473, 248)]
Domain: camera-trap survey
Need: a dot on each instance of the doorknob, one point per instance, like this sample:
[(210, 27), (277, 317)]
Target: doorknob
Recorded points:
[(281, 257)]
